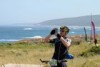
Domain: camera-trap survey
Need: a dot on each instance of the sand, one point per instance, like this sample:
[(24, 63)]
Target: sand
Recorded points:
[(21, 65)]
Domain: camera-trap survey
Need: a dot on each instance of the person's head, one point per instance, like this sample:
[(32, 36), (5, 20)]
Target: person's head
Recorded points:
[(64, 30)]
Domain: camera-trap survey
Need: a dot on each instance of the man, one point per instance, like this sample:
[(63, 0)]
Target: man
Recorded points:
[(62, 43)]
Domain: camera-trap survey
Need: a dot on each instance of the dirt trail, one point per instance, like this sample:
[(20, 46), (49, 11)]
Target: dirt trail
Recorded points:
[(21, 65)]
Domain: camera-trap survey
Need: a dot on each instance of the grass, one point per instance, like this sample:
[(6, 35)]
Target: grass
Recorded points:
[(30, 53), (91, 52), (24, 53), (93, 61)]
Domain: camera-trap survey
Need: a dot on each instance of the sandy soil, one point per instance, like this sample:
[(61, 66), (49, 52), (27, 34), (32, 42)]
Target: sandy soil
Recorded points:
[(21, 65)]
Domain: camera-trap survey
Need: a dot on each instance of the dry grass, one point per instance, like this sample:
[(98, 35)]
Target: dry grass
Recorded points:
[(25, 53), (93, 61), (30, 53)]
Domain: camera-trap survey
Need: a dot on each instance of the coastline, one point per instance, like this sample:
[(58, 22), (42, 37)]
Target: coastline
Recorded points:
[(41, 39)]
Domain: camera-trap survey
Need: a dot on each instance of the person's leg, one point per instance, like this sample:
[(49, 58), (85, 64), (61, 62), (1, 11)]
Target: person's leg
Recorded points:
[(63, 64)]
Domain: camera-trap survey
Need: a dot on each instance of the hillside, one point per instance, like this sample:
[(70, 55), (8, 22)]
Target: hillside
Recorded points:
[(75, 21)]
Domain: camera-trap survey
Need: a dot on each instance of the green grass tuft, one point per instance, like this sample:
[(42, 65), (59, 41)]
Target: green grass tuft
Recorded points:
[(95, 50)]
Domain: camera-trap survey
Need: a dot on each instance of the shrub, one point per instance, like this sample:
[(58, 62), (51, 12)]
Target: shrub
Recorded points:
[(93, 51)]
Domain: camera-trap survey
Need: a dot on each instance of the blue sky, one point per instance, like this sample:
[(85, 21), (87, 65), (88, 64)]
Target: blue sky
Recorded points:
[(34, 11)]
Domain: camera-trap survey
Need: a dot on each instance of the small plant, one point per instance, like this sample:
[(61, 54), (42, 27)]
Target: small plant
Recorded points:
[(93, 51)]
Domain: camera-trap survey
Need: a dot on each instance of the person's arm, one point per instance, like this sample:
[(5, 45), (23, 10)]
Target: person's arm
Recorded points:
[(66, 44), (53, 31), (47, 39)]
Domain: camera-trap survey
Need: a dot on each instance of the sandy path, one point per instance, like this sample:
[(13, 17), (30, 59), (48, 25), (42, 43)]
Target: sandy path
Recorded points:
[(21, 65)]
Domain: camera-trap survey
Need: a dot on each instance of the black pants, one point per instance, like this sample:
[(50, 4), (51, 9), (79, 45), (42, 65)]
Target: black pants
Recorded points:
[(62, 64)]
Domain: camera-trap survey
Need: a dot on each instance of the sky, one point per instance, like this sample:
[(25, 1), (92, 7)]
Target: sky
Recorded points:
[(36, 11)]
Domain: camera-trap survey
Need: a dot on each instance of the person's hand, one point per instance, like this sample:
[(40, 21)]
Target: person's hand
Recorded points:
[(58, 36), (54, 31)]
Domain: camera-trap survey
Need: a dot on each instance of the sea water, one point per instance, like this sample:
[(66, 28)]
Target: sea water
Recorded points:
[(16, 33)]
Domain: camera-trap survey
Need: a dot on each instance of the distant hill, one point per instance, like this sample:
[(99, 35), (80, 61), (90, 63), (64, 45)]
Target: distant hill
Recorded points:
[(75, 21)]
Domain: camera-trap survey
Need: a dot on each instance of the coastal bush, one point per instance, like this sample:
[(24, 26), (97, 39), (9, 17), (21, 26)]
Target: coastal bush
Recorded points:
[(91, 52)]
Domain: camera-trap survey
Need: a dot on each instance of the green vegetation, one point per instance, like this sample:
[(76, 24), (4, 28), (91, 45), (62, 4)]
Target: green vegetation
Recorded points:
[(24, 52), (91, 52), (31, 52)]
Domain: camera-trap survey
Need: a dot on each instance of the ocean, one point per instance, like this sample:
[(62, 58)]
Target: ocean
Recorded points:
[(16, 33)]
